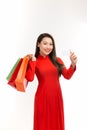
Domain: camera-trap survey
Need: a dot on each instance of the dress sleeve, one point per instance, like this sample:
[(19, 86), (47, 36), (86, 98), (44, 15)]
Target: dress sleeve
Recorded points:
[(67, 72), (30, 71)]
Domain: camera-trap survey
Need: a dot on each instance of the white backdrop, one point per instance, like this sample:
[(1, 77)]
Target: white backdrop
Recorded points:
[(21, 21)]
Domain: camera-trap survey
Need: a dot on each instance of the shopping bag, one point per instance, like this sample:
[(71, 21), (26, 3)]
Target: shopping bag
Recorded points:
[(12, 70), (20, 81), (13, 76)]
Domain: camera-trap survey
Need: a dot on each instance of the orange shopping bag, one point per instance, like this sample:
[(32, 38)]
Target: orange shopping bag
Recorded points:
[(20, 81)]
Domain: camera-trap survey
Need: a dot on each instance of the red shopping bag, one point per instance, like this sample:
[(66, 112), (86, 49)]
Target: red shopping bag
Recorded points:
[(11, 80), (20, 81)]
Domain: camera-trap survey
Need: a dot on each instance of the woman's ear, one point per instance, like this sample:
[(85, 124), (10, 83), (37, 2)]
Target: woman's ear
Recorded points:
[(38, 44)]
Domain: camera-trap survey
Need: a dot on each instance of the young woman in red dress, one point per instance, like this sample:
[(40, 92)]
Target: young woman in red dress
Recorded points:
[(48, 103)]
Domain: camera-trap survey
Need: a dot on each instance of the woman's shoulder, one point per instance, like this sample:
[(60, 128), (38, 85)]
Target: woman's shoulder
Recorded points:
[(60, 60)]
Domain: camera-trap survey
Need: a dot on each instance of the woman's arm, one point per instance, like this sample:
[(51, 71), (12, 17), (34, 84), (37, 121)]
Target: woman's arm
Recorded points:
[(31, 68), (68, 72)]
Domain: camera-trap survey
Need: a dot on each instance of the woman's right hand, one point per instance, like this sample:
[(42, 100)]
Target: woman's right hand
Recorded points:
[(31, 57), (73, 59)]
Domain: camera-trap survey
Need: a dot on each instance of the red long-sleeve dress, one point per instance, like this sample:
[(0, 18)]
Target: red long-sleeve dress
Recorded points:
[(48, 105)]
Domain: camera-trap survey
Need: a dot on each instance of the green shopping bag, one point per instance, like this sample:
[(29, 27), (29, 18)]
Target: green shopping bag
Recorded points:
[(12, 70)]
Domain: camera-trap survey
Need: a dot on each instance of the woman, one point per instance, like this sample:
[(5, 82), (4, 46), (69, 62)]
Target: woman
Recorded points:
[(48, 105)]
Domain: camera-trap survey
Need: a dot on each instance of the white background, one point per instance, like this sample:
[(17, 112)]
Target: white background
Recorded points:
[(21, 21)]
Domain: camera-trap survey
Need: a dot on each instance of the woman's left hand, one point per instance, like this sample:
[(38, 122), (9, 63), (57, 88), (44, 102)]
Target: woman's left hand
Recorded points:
[(73, 59)]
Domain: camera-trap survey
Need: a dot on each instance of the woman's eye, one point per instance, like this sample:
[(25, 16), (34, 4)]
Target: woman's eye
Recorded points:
[(51, 44), (45, 43)]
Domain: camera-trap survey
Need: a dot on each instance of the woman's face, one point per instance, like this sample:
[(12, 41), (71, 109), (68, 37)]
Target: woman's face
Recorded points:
[(45, 46)]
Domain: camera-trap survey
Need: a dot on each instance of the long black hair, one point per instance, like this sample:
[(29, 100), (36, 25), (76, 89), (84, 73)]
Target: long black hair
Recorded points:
[(52, 55)]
